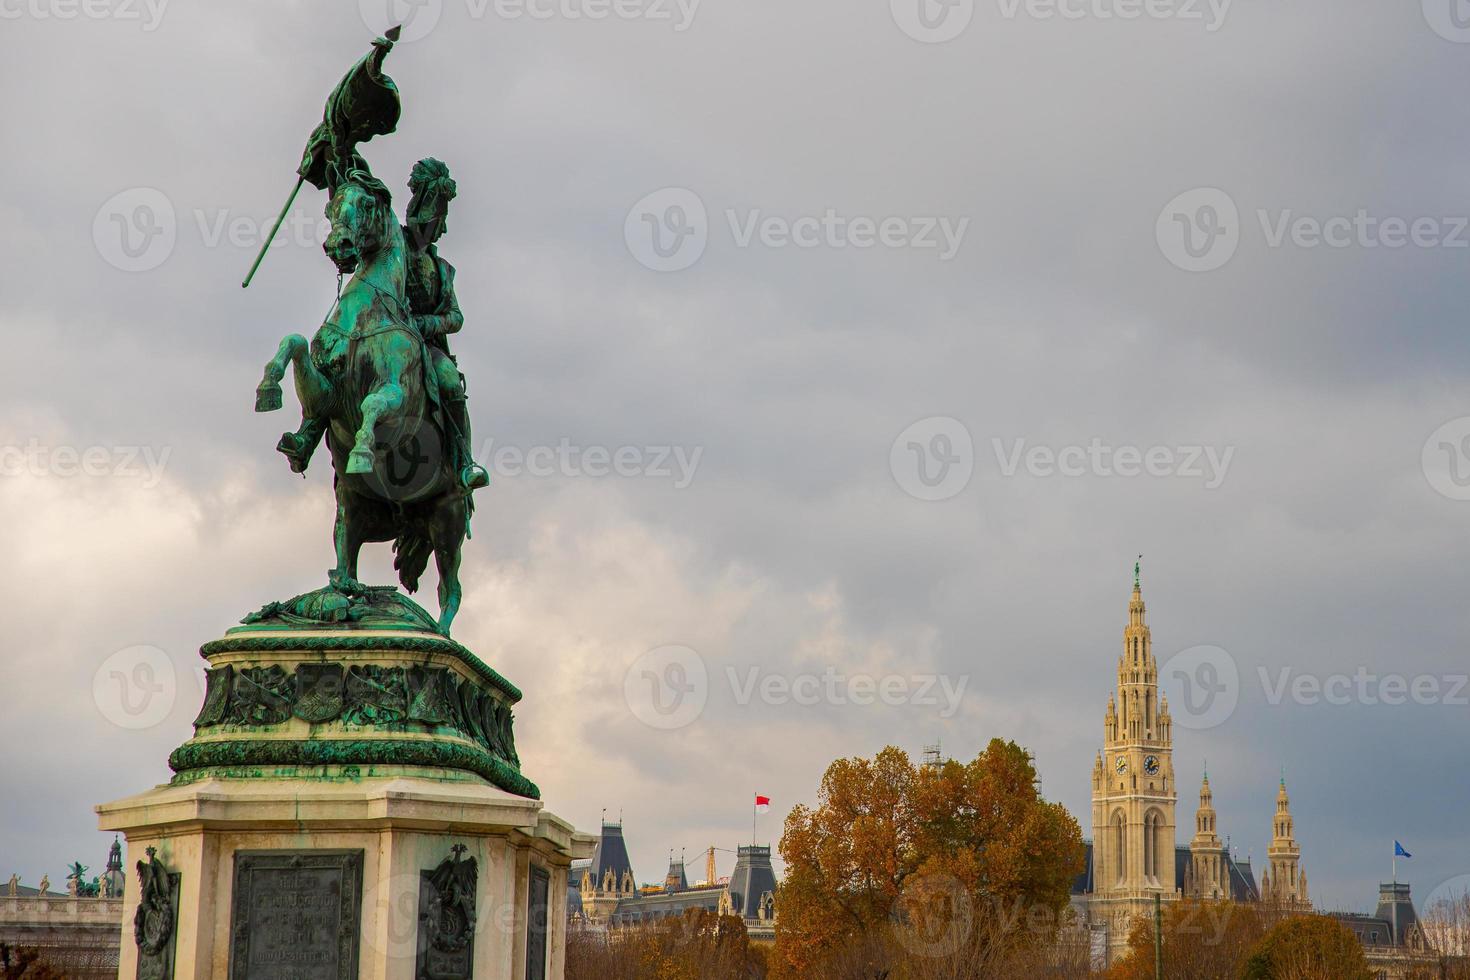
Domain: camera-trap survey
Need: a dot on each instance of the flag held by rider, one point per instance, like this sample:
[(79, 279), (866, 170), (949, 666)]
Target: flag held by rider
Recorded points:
[(364, 104)]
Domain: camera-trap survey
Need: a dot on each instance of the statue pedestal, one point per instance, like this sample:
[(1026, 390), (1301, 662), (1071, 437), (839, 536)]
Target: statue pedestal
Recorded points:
[(351, 805)]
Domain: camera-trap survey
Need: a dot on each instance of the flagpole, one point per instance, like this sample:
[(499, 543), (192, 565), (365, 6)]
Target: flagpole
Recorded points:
[(752, 824), (271, 237)]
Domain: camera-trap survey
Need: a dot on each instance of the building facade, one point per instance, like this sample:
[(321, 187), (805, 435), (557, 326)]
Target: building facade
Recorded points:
[(603, 892), (1134, 857)]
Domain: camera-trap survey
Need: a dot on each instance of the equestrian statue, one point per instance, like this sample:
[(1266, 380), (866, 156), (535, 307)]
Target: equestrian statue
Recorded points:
[(377, 381)]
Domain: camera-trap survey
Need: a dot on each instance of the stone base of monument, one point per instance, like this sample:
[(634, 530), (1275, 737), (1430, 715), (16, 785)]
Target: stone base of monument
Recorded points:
[(351, 805)]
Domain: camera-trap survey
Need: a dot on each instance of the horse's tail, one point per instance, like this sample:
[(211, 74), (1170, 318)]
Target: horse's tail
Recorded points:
[(411, 553)]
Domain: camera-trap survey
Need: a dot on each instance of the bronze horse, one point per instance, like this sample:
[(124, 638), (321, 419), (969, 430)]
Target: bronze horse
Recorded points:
[(365, 371)]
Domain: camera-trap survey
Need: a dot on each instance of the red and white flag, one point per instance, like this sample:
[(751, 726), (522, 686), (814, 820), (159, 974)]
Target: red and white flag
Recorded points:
[(762, 803)]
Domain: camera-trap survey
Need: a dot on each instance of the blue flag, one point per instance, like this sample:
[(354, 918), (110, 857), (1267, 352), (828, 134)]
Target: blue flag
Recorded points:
[(1399, 852)]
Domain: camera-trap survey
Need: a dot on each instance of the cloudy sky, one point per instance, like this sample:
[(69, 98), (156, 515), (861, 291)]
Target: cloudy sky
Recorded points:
[(911, 325)]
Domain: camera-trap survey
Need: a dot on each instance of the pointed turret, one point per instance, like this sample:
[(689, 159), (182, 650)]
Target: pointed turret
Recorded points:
[(674, 880), (1286, 884), (1211, 872)]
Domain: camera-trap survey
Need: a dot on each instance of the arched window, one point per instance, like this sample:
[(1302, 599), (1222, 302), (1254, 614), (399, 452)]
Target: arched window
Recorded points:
[(1148, 845), (1120, 845)]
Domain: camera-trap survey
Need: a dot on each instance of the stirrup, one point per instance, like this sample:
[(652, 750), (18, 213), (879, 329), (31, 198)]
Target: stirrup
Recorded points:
[(474, 477)]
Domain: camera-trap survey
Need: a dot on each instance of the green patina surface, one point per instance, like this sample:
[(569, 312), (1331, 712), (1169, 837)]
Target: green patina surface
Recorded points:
[(377, 380), (283, 641), (253, 757)]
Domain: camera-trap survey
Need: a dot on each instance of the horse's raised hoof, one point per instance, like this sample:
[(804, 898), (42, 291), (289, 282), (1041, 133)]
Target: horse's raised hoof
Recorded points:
[(360, 461), (267, 397)]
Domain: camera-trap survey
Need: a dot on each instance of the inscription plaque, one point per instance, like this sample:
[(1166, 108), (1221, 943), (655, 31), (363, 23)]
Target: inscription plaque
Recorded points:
[(536, 923), (296, 915)]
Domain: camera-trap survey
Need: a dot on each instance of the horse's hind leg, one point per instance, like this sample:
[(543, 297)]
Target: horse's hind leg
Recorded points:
[(347, 537), (447, 533)]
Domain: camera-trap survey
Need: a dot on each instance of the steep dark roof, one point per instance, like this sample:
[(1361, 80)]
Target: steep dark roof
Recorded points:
[(1395, 905), (1082, 884), (752, 878), (611, 855), (674, 880), (1242, 879), (1392, 923), (1370, 930)]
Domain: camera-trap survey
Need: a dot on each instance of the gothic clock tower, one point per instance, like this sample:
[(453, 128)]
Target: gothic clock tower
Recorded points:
[(1133, 791)]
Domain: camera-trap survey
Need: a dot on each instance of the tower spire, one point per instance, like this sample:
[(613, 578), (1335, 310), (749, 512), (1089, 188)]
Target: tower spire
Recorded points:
[(1288, 884), (1133, 790)]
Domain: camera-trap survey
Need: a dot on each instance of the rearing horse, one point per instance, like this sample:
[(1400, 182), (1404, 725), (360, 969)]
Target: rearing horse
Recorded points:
[(365, 372)]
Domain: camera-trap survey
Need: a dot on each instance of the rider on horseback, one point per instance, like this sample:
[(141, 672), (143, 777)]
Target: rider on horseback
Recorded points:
[(433, 306), (435, 312)]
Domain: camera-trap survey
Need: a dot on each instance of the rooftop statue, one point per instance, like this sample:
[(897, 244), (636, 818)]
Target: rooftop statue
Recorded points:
[(377, 380)]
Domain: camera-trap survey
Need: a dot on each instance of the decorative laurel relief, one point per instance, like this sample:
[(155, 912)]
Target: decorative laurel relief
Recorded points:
[(367, 695)]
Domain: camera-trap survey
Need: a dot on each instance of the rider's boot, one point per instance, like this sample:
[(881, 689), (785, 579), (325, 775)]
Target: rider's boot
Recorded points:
[(472, 476), (298, 446)]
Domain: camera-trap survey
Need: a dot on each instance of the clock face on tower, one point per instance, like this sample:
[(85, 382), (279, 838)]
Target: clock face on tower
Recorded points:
[(1151, 765), (1121, 765)]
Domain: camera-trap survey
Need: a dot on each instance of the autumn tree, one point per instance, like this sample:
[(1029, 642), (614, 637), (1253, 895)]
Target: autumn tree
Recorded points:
[(902, 869), (25, 964), (1201, 940), (1307, 947), (698, 945)]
